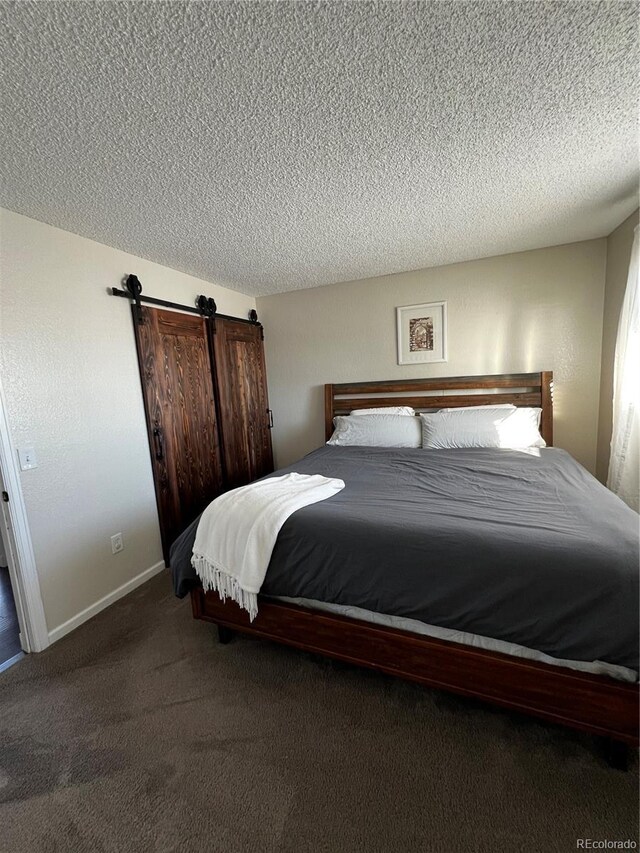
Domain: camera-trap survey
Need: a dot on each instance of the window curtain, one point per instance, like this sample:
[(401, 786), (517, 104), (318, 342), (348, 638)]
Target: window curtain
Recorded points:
[(624, 464)]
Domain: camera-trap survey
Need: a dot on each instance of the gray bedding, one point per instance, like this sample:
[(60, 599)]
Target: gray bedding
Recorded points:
[(523, 547)]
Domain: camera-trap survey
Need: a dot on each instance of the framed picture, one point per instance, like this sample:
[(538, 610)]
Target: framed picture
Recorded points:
[(422, 333)]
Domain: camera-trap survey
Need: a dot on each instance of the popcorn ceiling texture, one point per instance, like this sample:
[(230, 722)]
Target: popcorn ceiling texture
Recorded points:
[(277, 146)]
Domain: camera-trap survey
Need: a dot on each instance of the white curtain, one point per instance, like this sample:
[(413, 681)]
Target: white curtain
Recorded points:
[(624, 464)]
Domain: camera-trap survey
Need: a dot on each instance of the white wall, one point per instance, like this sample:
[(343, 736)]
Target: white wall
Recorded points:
[(538, 310), (70, 375), (619, 244)]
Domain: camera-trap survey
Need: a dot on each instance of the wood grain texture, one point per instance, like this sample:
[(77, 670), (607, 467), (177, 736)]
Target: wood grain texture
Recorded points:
[(346, 404), (243, 402), (501, 380), (177, 385), (546, 393), (329, 411), (531, 389), (591, 703)]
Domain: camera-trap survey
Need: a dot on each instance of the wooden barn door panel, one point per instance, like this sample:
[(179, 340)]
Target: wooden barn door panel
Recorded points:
[(177, 381), (243, 401)]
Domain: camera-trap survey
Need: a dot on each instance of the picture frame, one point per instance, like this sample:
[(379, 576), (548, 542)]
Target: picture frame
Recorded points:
[(422, 333)]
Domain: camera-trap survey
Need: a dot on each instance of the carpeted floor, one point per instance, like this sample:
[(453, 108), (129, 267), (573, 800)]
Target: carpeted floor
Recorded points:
[(140, 733)]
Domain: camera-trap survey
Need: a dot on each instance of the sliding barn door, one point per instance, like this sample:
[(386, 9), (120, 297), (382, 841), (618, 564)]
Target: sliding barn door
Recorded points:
[(243, 403), (178, 386)]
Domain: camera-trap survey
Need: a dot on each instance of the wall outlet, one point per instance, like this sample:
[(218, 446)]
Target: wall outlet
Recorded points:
[(117, 544), (27, 458)]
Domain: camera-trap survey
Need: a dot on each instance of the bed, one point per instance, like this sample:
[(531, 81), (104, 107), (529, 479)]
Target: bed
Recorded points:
[(503, 575)]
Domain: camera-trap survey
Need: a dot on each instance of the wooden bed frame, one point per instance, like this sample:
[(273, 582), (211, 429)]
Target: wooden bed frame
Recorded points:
[(591, 703)]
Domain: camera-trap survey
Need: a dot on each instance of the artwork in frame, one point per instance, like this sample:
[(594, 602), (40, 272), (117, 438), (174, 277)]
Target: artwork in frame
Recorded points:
[(422, 333)]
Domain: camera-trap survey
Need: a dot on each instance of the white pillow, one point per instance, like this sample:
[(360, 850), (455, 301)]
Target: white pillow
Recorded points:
[(385, 410), (521, 429), (482, 427), (377, 431)]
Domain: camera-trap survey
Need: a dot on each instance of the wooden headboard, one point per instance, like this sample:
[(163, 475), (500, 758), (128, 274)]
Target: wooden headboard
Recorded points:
[(520, 389)]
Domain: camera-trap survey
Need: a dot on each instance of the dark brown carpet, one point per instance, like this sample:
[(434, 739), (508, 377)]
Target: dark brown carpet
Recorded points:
[(139, 733)]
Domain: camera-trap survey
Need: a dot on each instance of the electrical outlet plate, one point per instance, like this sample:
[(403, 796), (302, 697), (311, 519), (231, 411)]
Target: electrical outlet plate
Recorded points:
[(117, 544), (27, 458)]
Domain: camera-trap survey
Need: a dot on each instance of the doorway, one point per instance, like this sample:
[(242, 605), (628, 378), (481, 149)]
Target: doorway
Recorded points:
[(22, 590), (10, 648)]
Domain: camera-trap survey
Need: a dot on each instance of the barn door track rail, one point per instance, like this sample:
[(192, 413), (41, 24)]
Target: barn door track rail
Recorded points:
[(205, 306)]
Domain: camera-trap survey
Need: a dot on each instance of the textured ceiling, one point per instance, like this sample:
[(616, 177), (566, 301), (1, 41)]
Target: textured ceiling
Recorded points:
[(275, 146)]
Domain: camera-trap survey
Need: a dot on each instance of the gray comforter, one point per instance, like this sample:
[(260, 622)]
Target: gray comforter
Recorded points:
[(526, 548)]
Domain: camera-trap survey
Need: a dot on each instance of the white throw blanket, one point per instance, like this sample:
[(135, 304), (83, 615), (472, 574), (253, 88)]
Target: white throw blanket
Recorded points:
[(238, 531)]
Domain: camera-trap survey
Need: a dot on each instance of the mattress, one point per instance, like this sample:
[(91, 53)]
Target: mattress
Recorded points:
[(524, 548)]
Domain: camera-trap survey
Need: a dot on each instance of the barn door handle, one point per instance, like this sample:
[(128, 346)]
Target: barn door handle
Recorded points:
[(270, 413), (157, 439)]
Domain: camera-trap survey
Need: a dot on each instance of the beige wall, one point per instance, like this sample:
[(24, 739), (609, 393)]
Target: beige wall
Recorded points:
[(70, 376), (619, 244), (538, 310)]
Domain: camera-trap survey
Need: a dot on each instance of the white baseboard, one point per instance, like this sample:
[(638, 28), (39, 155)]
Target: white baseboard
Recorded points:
[(93, 609)]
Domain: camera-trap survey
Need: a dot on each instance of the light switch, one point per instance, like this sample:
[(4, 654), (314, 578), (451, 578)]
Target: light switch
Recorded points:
[(27, 458)]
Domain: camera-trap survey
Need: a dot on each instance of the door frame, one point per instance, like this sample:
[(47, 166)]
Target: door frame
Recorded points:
[(25, 583)]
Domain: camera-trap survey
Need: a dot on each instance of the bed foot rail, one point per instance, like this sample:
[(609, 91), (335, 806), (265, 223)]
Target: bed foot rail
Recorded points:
[(225, 635), (616, 753)]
